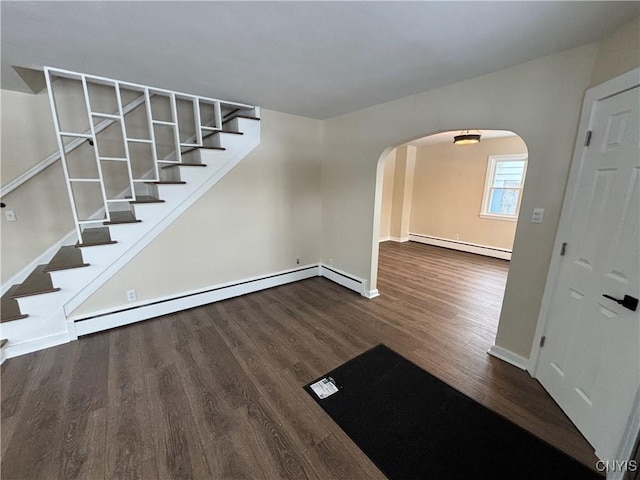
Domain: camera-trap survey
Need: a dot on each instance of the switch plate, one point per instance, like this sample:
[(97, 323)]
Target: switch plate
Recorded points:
[(131, 295), (10, 215), (537, 215)]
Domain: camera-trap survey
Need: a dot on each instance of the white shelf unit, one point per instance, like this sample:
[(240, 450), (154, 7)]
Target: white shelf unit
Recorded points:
[(98, 121)]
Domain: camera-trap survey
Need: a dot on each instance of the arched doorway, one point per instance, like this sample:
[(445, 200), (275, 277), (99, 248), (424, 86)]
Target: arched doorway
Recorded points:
[(454, 207)]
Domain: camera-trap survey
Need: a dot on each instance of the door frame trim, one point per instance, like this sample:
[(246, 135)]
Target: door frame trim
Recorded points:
[(612, 87)]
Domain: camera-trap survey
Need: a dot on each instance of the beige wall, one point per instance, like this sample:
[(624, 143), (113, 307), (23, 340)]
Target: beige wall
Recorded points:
[(618, 53), (257, 220), (27, 132), (41, 204), (387, 195), (402, 192), (448, 188), (539, 100)]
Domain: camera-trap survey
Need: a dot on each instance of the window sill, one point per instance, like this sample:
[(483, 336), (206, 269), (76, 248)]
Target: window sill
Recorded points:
[(498, 217)]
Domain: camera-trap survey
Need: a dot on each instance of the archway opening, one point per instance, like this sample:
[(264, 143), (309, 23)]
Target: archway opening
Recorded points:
[(446, 217)]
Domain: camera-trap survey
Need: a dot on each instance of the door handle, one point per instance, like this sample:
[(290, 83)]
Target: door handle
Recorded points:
[(627, 302)]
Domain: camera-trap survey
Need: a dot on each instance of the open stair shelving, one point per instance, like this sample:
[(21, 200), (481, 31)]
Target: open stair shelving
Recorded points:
[(181, 164)]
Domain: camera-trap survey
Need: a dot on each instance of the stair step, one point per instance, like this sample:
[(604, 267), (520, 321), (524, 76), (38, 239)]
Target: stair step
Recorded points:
[(36, 283), (145, 199), (184, 164), (121, 217), (203, 147), (9, 309), (239, 116), (222, 131), (96, 236), (67, 257), (167, 183), (3, 342)]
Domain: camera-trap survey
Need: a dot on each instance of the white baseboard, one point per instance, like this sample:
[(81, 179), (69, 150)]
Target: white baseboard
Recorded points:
[(11, 350), (509, 357), (462, 246), (157, 307), (371, 293), (394, 239), (343, 278)]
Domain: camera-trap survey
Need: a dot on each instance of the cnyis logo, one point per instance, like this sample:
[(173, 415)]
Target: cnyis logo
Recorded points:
[(617, 466)]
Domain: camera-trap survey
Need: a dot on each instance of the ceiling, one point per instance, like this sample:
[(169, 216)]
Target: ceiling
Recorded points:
[(316, 59)]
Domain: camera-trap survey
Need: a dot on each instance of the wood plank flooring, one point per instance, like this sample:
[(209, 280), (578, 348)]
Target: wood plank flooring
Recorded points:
[(215, 392)]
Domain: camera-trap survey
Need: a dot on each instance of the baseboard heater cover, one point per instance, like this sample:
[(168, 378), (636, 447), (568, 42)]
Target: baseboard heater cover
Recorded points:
[(488, 251), (123, 316)]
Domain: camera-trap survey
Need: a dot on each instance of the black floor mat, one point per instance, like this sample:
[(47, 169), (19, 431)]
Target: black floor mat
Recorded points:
[(414, 426)]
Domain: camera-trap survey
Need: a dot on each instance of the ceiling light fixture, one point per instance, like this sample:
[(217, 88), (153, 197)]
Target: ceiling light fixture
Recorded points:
[(466, 138)]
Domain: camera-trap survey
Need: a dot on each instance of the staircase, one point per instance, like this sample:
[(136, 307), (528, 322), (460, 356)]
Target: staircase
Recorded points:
[(131, 170)]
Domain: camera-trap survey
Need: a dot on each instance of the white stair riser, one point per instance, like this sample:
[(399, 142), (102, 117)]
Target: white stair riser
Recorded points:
[(191, 157), (39, 304), (232, 125), (124, 231), (98, 254), (149, 212), (72, 276), (171, 193), (33, 327), (193, 175)]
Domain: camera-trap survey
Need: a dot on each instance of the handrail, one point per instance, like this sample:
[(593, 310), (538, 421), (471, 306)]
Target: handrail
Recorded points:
[(72, 145)]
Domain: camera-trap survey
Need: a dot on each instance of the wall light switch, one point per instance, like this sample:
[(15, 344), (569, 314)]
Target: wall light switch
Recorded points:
[(537, 215), (10, 215)]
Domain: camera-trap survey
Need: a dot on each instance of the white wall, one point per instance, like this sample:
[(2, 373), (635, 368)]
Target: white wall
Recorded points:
[(257, 220), (618, 53), (538, 100)]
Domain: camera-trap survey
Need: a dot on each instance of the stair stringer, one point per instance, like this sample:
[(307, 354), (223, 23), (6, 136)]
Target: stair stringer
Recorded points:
[(49, 321)]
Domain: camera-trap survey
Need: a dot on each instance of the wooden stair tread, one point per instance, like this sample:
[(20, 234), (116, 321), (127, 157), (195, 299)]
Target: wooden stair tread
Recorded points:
[(240, 116), (167, 183), (146, 199), (9, 308), (222, 131), (96, 236), (185, 164), (122, 217), (67, 257), (36, 283), (198, 148)]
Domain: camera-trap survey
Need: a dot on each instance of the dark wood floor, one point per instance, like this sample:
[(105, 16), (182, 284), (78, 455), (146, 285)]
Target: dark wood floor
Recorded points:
[(215, 392)]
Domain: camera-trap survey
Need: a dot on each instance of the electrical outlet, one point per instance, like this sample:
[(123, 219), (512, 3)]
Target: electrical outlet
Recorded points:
[(330, 262), (10, 215), (297, 261), (456, 236), (537, 215), (131, 295)]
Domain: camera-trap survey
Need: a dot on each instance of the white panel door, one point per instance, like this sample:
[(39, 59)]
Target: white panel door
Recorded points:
[(590, 361)]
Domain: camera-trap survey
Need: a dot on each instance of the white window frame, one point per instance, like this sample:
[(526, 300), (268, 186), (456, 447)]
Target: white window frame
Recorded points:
[(492, 162)]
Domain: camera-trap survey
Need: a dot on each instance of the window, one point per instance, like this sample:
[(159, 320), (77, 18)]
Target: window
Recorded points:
[(503, 186)]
